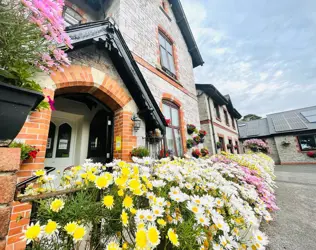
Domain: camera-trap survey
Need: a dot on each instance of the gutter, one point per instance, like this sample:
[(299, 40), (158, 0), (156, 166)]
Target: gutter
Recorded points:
[(211, 118)]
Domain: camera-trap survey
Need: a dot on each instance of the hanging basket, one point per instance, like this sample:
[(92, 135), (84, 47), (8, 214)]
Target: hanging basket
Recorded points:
[(15, 105)]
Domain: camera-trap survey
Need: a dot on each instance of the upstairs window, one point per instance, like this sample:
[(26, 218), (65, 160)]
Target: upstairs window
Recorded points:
[(166, 55), (307, 142), (173, 132), (218, 114), (233, 121), (71, 16), (226, 117)]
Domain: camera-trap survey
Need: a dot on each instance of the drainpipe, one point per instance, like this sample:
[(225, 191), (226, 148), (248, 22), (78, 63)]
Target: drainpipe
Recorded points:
[(211, 118)]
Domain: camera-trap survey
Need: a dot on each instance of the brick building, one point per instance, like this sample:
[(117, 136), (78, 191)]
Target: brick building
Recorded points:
[(129, 58), (290, 135), (218, 118)]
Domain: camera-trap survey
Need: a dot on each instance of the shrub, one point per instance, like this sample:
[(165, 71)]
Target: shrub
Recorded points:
[(183, 204), (27, 151), (140, 152)]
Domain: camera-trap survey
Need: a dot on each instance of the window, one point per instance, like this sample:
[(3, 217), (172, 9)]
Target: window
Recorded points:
[(237, 147), (231, 149), (233, 121), (166, 55), (307, 142), (50, 141), (71, 16), (218, 114), (226, 117), (173, 135), (222, 142), (63, 142)]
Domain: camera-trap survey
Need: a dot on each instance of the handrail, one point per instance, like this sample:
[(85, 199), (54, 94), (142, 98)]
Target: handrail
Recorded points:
[(22, 185)]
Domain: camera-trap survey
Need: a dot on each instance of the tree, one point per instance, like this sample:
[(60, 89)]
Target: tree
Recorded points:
[(250, 117)]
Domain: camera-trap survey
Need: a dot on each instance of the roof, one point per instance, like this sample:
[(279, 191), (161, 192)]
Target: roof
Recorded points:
[(292, 121), (107, 35), (185, 29), (213, 92)]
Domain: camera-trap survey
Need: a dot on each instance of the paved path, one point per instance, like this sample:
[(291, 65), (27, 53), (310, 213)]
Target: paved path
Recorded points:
[(294, 226)]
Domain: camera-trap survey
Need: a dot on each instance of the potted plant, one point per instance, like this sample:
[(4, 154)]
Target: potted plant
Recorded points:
[(191, 128), (196, 153), (140, 152), (197, 139), (202, 133), (27, 151), (29, 47), (218, 145), (190, 143), (204, 152)]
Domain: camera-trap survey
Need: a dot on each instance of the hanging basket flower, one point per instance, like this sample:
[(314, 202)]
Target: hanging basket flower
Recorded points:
[(204, 152), (191, 128), (202, 133), (190, 143), (229, 146), (218, 144), (311, 154), (196, 153), (197, 139)]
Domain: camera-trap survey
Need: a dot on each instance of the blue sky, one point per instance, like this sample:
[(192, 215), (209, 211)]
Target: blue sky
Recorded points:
[(262, 53)]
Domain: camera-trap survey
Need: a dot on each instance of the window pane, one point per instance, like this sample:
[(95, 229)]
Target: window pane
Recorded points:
[(63, 142), (166, 111), (307, 142), (170, 141), (175, 117), (169, 47), (164, 58), (50, 141), (171, 64), (178, 142), (162, 41)]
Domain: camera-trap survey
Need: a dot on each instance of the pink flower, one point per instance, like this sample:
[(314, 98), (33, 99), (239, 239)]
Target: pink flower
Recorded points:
[(51, 103)]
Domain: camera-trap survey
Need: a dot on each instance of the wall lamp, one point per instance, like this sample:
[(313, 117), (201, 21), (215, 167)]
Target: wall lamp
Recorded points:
[(137, 122)]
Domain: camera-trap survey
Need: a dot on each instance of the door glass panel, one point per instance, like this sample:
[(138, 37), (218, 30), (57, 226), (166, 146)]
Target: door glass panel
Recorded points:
[(175, 117), (170, 141), (63, 142), (178, 142), (50, 141)]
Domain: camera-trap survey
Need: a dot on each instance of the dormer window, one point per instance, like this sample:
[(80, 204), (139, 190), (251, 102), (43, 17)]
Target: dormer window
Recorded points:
[(71, 16), (166, 55)]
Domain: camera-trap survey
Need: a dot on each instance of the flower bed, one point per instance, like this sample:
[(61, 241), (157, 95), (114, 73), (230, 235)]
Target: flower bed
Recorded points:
[(209, 203)]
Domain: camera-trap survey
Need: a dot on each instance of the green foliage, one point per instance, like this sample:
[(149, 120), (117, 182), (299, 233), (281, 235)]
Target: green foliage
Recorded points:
[(140, 152), (21, 46), (25, 149)]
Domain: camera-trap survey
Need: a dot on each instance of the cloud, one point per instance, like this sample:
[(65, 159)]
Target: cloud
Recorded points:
[(261, 54)]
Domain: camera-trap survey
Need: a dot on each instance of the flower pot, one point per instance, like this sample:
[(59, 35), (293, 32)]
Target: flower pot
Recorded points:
[(15, 105)]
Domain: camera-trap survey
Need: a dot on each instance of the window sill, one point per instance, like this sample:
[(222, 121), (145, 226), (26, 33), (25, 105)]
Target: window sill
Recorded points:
[(167, 75), (166, 14), (219, 119)]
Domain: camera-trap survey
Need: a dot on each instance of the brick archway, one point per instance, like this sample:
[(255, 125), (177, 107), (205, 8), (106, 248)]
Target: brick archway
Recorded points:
[(176, 101), (75, 79)]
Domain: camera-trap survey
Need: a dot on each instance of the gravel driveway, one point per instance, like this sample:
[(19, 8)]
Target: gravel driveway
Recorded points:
[(294, 226)]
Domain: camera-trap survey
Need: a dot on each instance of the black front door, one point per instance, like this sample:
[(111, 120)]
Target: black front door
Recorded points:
[(100, 147)]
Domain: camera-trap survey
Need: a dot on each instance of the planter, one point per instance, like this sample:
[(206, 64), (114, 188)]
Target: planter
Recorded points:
[(15, 105)]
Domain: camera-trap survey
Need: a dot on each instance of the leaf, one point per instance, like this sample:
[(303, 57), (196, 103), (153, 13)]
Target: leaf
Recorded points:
[(6, 74)]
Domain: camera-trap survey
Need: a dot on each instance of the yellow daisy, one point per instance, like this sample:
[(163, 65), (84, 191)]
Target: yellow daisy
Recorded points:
[(57, 205)]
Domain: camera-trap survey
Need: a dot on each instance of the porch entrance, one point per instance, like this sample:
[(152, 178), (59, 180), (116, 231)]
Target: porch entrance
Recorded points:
[(81, 127)]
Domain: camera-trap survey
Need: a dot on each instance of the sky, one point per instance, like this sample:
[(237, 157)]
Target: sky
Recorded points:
[(261, 53)]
